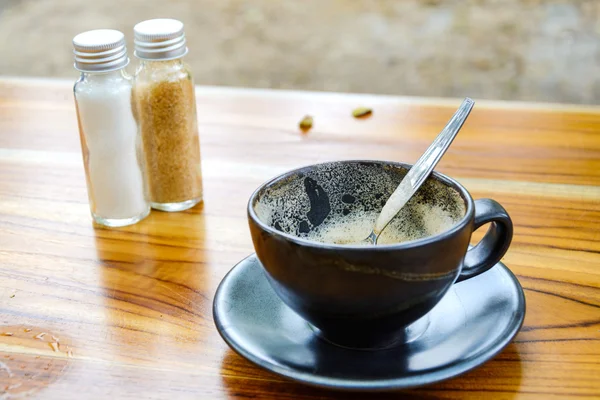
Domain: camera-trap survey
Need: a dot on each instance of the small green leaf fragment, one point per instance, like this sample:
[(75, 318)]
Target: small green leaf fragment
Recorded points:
[(362, 112), (306, 123)]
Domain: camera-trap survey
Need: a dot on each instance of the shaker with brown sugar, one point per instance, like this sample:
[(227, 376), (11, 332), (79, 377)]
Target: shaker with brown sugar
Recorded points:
[(165, 107)]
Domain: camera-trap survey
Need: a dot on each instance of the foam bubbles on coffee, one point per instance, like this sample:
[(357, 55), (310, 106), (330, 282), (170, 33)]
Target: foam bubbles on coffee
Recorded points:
[(353, 229), (339, 203)]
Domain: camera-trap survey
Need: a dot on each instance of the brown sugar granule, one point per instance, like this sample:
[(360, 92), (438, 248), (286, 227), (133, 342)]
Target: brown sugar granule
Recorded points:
[(166, 112)]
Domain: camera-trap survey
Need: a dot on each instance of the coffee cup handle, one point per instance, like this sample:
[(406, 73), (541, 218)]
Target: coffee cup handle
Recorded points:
[(494, 244)]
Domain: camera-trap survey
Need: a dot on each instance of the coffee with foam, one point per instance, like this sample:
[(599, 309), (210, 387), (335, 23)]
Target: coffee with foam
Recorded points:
[(339, 203), (430, 220)]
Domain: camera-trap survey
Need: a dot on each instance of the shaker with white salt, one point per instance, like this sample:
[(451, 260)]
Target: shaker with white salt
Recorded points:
[(110, 140)]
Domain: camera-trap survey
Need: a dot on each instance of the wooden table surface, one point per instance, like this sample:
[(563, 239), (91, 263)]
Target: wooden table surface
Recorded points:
[(130, 308)]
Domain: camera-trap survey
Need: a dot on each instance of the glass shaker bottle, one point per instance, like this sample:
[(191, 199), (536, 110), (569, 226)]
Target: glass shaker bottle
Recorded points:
[(166, 111), (109, 136)]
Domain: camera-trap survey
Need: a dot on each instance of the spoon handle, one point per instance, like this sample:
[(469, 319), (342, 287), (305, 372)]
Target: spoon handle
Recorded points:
[(424, 165)]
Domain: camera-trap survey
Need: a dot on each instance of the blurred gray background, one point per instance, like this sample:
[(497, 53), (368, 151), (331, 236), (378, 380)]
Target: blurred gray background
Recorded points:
[(539, 50)]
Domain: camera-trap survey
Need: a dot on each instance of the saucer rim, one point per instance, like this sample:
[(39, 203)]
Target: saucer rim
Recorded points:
[(435, 375)]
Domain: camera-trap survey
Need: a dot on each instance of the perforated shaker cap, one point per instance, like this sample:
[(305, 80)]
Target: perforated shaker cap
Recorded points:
[(159, 39), (100, 50)]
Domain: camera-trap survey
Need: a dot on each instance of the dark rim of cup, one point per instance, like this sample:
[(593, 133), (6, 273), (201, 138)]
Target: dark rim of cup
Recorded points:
[(380, 247)]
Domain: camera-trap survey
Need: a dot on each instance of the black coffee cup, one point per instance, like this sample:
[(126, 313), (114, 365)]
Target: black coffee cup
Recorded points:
[(366, 296)]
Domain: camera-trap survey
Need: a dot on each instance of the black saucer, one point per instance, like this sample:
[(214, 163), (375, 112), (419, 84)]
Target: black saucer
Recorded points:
[(474, 321)]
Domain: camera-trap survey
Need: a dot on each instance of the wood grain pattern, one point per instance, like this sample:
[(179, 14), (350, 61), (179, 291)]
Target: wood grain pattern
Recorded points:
[(133, 305)]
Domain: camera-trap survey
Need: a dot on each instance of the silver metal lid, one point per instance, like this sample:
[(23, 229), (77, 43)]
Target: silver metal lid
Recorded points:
[(100, 50), (159, 39)]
